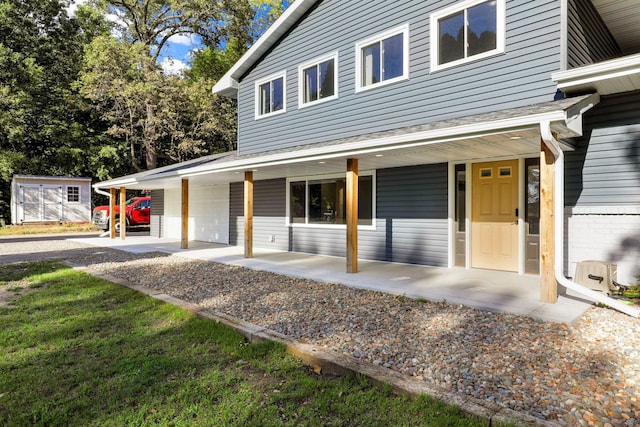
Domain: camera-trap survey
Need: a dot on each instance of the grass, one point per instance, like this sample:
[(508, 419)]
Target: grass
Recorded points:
[(82, 351), (19, 230)]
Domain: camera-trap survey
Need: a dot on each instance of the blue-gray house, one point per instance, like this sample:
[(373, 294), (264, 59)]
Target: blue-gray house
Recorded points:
[(478, 134)]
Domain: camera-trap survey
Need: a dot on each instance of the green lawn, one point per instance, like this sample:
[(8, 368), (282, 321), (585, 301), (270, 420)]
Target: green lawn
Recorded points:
[(81, 351)]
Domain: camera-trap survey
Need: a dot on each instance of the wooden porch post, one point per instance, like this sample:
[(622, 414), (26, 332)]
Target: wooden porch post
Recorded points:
[(184, 233), (123, 213), (352, 215), (548, 284), (112, 208), (248, 214)]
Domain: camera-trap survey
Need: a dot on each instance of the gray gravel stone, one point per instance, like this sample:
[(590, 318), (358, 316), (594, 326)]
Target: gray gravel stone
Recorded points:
[(585, 374)]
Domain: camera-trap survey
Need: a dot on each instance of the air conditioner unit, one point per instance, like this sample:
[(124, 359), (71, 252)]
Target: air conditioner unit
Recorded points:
[(597, 275)]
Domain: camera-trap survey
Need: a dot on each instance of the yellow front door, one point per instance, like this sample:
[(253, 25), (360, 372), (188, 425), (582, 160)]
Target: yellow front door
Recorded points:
[(494, 216)]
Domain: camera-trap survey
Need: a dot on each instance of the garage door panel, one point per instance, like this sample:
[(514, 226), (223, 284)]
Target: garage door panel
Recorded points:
[(209, 214)]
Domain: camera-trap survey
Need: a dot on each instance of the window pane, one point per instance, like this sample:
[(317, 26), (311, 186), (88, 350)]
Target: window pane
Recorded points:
[(393, 57), (371, 64), (461, 199), (326, 201), (73, 194), (451, 33), (482, 28), (532, 214), (297, 202), (311, 84), (277, 94), (265, 98), (365, 200), (327, 79)]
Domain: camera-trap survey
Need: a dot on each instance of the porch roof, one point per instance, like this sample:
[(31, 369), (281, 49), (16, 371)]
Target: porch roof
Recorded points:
[(503, 133)]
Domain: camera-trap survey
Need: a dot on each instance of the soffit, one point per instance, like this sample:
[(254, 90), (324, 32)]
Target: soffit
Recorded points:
[(622, 17)]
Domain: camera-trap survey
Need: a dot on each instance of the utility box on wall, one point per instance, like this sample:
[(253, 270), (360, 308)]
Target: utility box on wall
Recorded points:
[(39, 199)]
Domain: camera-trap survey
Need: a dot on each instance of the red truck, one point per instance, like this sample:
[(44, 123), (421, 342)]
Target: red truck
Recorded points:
[(137, 211)]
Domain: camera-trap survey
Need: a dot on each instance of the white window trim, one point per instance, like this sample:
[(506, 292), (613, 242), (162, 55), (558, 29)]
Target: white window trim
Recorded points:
[(308, 64), (404, 30), (66, 194), (272, 77), (500, 33), (306, 179)]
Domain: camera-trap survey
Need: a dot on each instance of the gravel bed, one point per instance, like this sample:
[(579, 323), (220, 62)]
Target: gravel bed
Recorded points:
[(584, 374)]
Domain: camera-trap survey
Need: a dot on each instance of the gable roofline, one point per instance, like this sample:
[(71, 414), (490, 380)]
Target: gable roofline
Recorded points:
[(228, 84)]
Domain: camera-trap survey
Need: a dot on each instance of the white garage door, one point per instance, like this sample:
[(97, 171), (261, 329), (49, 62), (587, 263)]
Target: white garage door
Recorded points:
[(172, 212), (209, 214)]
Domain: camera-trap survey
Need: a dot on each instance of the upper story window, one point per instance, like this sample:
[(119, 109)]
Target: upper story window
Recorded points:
[(73, 194), (271, 95), (383, 59), (467, 31), (318, 80)]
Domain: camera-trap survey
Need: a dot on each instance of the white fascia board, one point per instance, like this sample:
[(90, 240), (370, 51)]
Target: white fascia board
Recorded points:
[(115, 183), (596, 72), (228, 84), (397, 141)]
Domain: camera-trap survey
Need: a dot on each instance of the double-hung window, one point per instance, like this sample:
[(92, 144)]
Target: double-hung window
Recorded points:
[(271, 95), (322, 201), (467, 31), (383, 59), (73, 194), (318, 80)]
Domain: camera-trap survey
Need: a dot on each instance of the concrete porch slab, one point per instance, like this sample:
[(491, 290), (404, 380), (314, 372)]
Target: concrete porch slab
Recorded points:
[(485, 289)]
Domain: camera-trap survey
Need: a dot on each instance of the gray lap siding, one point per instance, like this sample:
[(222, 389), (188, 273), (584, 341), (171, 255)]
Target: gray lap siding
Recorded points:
[(604, 170), (518, 77), (411, 223)]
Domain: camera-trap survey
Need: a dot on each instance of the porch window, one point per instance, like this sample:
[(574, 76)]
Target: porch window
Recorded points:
[(270, 96), (467, 31), (73, 194), (318, 80), (382, 59), (532, 207), (323, 201)]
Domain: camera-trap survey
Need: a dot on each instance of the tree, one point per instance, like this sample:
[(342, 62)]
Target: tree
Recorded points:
[(153, 22), (45, 127)]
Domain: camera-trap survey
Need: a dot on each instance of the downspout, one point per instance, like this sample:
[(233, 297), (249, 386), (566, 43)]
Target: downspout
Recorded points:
[(104, 193), (553, 145)]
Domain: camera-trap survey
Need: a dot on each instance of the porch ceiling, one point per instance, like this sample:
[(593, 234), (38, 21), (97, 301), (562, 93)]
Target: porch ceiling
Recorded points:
[(513, 144)]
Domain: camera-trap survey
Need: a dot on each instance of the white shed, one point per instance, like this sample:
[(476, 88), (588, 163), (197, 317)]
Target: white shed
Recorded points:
[(50, 199)]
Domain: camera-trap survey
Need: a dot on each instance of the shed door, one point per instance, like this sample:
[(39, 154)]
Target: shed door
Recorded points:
[(52, 203), (31, 202), (494, 227)]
